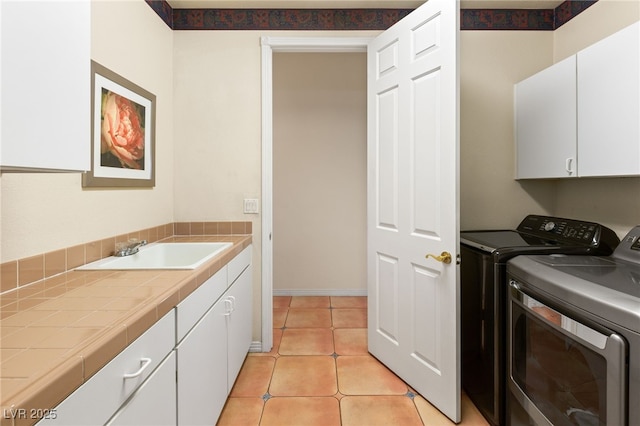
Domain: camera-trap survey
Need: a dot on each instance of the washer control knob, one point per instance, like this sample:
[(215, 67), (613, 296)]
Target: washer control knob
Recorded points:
[(549, 226)]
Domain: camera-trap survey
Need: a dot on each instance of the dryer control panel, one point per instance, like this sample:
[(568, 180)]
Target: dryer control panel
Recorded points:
[(571, 231)]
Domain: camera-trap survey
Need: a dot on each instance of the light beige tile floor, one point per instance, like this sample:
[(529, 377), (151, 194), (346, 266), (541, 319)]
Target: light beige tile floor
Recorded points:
[(319, 373)]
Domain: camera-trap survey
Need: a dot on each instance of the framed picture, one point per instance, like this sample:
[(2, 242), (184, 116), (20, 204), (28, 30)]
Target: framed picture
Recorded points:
[(123, 121)]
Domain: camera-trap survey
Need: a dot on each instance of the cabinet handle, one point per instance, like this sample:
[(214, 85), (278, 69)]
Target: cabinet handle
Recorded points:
[(568, 164), (233, 303), (145, 363), (228, 307)]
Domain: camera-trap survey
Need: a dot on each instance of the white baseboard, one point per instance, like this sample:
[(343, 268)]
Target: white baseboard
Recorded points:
[(256, 346), (320, 292)]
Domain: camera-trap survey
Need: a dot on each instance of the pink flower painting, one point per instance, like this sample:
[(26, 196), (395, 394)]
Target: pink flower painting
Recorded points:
[(122, 132)]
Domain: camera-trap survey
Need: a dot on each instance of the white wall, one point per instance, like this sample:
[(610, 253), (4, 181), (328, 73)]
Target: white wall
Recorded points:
[(319, 173), (47, 211)]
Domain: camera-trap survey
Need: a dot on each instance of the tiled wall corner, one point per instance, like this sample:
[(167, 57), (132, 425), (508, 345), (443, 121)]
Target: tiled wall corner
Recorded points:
[(21, 272), (214, 228), (8, 276)]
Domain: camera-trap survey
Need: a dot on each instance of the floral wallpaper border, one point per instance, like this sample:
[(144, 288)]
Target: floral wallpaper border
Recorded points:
[(359, 19), (523, 19), (287, 19)]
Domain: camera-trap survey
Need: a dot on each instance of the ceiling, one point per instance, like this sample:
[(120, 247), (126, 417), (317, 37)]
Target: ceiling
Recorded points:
[(355, 4)]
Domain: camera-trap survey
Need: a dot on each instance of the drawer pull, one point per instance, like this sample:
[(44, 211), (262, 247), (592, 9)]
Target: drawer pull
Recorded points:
[(145, 363)]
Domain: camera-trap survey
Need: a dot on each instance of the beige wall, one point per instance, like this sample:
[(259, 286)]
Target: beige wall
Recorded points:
[(217, 120), (208, 89), (217, 117), (614, 202), (45, 212), (597, 22), (319, 173), (217, 138), (491, 62)]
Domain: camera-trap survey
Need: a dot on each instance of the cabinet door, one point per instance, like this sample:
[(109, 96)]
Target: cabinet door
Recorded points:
[(239, 323), (609, 105), (190, 310), (154, 403), (202, 369), (46, 79), (545, 120)]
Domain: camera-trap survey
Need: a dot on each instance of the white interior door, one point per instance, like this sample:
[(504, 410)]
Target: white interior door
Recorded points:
[(413, 202)]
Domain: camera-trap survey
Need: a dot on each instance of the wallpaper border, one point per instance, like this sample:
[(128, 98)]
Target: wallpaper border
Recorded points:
[(359, 19)]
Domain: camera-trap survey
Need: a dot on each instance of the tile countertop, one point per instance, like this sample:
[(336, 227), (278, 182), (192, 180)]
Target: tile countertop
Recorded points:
[(57, 333)]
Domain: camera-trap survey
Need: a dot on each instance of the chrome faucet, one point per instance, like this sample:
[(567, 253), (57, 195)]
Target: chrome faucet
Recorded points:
[(128, 249)]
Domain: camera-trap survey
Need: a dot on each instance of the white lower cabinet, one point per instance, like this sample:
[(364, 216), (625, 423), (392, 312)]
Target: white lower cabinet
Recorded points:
[(154, 403), (239, 325), (196, 305), (96, 401), (202, 370), (211, 354), (182, 369)]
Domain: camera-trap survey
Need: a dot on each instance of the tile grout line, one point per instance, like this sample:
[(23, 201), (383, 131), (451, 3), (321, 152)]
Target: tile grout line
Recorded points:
[(339, 397)]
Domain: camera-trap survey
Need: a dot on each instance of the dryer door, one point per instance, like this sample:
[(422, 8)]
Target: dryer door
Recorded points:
[(562, 371)]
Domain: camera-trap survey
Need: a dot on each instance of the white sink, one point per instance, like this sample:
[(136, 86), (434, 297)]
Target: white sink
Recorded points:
[(162, 256)]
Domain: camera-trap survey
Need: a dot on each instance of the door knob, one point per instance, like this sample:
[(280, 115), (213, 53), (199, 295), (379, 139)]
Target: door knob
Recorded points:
[(445, 257)]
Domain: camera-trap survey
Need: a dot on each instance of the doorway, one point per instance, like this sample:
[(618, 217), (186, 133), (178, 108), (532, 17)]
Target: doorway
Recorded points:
[(319, 173), (412, 98), (269, 46)]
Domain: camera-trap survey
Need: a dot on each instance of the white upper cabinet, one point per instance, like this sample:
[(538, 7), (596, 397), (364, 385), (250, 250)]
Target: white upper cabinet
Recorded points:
[(45, 89), (581, 116), (609, 105), (545, 117)]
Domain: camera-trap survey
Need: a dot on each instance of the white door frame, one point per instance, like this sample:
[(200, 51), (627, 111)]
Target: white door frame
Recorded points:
[(270, 45)]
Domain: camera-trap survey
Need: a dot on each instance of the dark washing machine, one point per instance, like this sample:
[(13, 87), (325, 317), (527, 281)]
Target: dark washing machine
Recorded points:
[(484, 290)]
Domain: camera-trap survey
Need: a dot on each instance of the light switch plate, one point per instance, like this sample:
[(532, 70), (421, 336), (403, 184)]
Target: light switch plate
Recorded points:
[(251, 205)]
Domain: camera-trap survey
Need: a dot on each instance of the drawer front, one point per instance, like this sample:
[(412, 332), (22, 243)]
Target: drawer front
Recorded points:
[(154, 404), (238, 264), (190, 310), (101, 396)]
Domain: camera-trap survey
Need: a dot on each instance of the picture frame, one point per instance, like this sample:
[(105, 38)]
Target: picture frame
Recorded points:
[(123, 121)]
